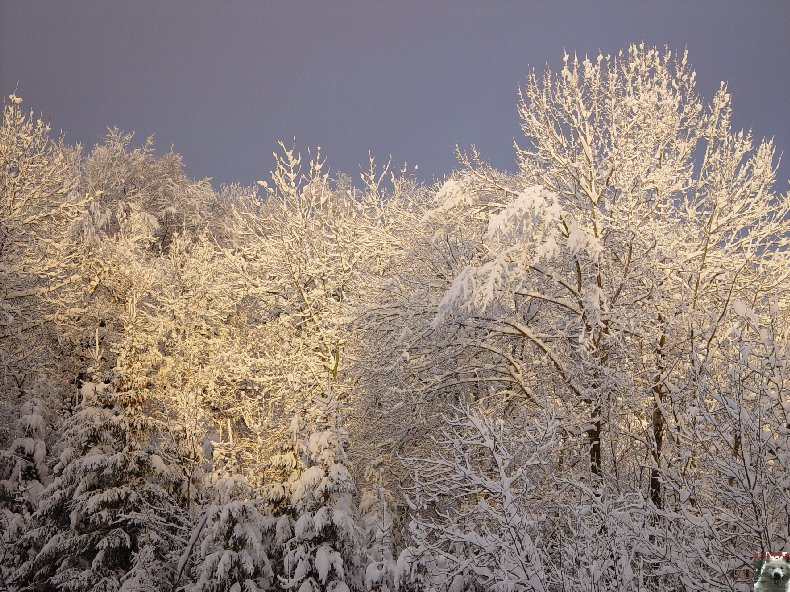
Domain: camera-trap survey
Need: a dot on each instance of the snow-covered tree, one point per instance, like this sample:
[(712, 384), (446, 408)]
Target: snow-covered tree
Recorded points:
[(733, 494), (656, 237), (377, 509), (25, 471), (107, 520), (140, 191), (39, 201), (300, 257), (481, 504), (233, 552), (186, 344), (23, 475), (142, 202), (397, 352), (313, 505)]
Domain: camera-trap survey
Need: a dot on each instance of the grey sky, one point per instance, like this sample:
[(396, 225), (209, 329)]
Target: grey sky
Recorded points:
[(222, 81)]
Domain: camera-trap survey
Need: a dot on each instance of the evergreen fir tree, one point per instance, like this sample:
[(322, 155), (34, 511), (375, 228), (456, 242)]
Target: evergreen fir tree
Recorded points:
[(316, 540), (107, 521), (23, 475), (233, 555)]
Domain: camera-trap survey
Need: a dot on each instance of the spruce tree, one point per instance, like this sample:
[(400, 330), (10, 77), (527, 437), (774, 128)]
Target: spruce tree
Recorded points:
[(107, 521), (23, 475), (233, 555), (316, 540)]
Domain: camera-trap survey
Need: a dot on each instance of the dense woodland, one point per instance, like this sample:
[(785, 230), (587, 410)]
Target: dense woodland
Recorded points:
[(572, 377)]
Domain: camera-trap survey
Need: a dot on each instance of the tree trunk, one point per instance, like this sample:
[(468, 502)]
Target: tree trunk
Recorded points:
[(656, 494)]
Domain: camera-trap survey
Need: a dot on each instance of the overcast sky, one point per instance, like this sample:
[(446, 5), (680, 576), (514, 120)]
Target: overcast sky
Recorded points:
[(223, 81)]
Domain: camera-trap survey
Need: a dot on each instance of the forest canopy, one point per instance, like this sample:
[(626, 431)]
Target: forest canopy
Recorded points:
[(571, 376)]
